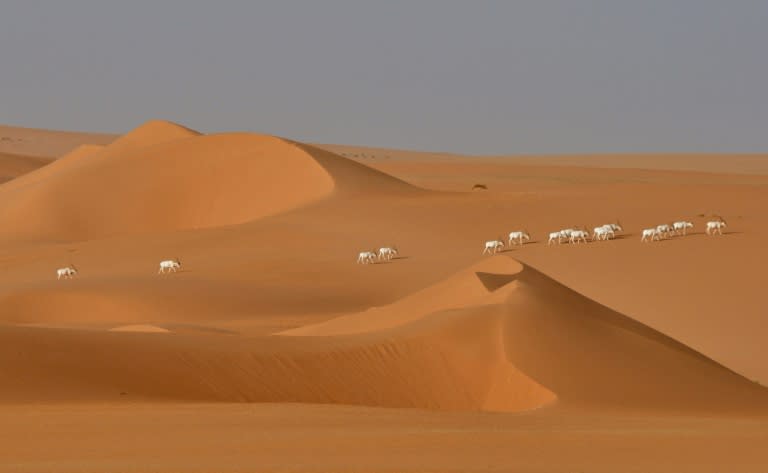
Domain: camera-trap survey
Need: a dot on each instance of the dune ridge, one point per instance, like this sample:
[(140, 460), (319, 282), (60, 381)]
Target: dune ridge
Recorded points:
[(151, 133)]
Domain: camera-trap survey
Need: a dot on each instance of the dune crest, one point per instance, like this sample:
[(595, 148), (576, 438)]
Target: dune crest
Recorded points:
[(83, 151), (150, 133)]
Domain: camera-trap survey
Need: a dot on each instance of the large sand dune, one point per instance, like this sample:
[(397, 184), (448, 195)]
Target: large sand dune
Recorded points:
[(497, 336), (163, 177)]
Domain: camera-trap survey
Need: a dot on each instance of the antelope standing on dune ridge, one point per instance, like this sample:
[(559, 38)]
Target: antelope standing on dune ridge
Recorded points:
[(518, 237), (650, 234), (67, 272), (493, 246), (366, 257), (681, 226), (387, 252), (170, 265)]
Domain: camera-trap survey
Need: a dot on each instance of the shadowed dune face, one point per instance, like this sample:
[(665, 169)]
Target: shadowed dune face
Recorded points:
[(591, 355), (584, 353)]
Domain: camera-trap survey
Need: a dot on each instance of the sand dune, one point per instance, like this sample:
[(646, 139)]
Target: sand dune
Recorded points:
[(162, 177), (518, 340), (560, 338)]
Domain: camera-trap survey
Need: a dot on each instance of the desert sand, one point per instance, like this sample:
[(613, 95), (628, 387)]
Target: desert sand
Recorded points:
[(271, 349)]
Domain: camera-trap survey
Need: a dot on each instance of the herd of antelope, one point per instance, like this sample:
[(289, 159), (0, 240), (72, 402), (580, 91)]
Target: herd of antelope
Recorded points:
[(605, 232), (570, 235)]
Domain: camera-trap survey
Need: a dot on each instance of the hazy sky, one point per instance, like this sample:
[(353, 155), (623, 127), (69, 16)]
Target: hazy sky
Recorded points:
[(538, 76)]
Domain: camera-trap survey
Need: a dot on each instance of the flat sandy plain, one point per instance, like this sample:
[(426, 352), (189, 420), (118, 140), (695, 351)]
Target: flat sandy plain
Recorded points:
[(272, 350)]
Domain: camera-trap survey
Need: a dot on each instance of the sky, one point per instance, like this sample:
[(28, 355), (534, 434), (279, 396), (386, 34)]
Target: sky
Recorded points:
[(476, 77)]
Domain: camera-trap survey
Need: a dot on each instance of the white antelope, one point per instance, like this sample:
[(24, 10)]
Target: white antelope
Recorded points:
[(579, 235), (664, 230), (715, 226), (518, 238), (493, 246), (681, 226), (603, 232), (614, 227), (560, 235), (387, 252), (170, 265), (366, 257), (650, 234), (66, 273)]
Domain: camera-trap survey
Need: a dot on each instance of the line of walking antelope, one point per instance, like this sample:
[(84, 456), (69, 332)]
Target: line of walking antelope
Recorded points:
[(666, 230), (519, 237), (606, 232)]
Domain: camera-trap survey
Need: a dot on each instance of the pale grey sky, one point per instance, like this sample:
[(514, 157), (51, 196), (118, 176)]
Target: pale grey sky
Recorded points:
[(511, 77)]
